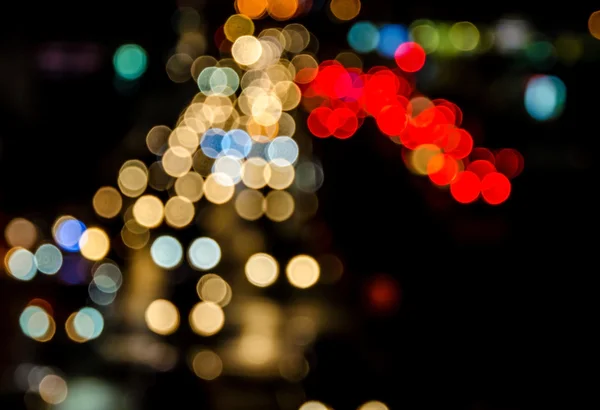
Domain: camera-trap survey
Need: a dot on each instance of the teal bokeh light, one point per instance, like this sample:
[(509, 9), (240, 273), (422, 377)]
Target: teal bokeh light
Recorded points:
[(130, 61)]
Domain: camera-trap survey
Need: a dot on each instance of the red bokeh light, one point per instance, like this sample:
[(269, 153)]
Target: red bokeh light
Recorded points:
[(383, 293), (466, 187), (509, 162), (481, 168), (495, 188), (340, 98), (410, 57)]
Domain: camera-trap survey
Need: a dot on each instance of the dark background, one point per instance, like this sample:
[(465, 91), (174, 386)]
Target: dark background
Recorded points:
[(496, 301)]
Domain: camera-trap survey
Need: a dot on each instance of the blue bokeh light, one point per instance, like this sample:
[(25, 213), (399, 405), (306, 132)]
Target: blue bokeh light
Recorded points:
[(390, 38), (68, 234), (545, 97), (237, 143), (212, 142)]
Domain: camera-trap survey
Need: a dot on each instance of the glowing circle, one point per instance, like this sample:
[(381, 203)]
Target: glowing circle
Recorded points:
[(545, 97), (204, 253), (166, 252), (130, 61), (363, 37), (49, 259)]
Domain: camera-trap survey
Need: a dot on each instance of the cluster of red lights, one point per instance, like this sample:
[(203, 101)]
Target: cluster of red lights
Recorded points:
[(339, 99)]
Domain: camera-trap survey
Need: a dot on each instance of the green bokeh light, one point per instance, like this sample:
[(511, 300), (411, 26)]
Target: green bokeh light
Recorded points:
[(130, 61)]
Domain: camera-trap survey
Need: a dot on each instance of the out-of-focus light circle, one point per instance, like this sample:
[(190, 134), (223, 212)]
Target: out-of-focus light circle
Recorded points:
[(228, 165), (309, 177), (179, 212), (246, 50), (107, 277), (262, 270), (88, 323), (204, 253), (313, 405), (130, 61), (21, 233), (410, 57), (238, 25), (213, 288), (67, 232), (303, 271), (283, 151), (594, 24), (219, 188), (545, 97), (256, 173), (345, 9), (373, 405), (237, 143), (148, 211), (53, 389), (21, 264), (94, 244), (100, 297), (107, 202), (212, 142), (162, 317), (49, 259), (166, 252), (391, 36), (207, 365), (34, 321), (464, 36), (207, 318)]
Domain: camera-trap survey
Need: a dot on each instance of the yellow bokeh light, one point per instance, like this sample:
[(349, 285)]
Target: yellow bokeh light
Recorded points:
[(219, 188), (238, 25), (464, 36), (177, 161), (133, 178), (373, 405), (281, 175), (279, 205), (250, 204), (262, 270), (148, 211), (179, 212), (345, 9), (162, 317), (207, 318), (107, 202), (156, 139), (246, 50), (94, 244), (186, 138), (313, 405), (207, 365), (303, 271), (427, 37), (190, 186), (213, 288)]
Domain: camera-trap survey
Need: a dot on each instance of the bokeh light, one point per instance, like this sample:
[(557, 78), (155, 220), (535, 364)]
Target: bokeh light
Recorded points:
[(545, 97), (130, 61)]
